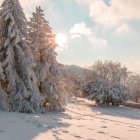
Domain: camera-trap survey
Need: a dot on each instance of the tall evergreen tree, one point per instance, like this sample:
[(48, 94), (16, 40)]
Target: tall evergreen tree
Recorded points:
[(43, 46), (18, 91)]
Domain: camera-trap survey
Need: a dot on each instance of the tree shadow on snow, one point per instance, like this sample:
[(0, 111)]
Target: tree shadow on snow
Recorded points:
[(50, 122), (120, 111), (33, 126)]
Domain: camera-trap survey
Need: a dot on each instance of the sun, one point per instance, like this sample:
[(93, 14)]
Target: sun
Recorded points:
[(61, 39)]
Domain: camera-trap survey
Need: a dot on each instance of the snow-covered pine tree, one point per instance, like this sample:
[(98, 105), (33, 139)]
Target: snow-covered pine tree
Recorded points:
[(43, 45), (19, 90)]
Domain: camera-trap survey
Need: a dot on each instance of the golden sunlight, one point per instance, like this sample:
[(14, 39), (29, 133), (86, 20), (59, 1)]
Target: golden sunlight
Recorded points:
[(61, 39)]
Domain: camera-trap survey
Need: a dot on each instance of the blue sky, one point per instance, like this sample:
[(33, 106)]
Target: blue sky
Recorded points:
[(117, 40), (95, 29)]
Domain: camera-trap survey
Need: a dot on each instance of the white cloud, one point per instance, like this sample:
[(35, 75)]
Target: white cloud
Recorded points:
[(75, 36), (116, 13), (123, 29), (81, 29), (84, 1), (99, 42)]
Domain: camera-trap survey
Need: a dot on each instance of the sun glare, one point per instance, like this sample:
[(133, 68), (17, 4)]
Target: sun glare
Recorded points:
[(61, 39)]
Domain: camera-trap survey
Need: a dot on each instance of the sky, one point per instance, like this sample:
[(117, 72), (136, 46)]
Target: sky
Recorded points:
[(93, 30)]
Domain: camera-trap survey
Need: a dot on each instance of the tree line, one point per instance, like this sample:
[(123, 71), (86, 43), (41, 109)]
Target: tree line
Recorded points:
[(113, 81), (105, 82)]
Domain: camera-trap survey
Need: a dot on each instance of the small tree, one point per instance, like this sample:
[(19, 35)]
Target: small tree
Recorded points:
[(18, 91), (43, 45), (112, 72)]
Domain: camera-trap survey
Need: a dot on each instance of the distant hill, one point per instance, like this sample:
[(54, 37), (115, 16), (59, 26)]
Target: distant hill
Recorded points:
[(77, 70)]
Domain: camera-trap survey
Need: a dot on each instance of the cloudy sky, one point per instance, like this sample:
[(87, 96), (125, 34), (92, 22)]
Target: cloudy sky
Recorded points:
[(94, 29)]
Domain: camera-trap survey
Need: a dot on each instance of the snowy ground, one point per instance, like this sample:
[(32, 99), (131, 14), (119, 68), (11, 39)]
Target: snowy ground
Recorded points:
[(81, 121)]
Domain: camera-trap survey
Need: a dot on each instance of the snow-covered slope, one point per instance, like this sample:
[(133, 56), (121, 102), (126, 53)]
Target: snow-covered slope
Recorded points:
[(80, 121)]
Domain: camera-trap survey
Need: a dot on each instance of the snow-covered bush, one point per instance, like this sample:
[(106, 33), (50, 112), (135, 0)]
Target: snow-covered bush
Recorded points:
[(96, 90), (104, 93), (118, 94)]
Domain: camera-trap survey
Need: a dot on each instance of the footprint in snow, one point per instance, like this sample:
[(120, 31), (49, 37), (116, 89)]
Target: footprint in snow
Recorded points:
[(50, 127), (76, 136), (103, 121), (103, 126), (56, 132), (65, 131), (115, 137), (41, 125), (37, 123), (90, 129), (101, 132), (60, 123), (133, 130), (132, 127), (1, 131), (57, 138), (80, 125)]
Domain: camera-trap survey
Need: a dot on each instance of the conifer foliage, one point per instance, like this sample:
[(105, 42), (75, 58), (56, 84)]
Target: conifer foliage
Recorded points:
[(43, 45), (18, 89)]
